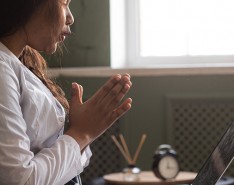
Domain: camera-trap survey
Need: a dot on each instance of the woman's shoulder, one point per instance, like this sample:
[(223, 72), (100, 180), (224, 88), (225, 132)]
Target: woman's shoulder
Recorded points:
[(8, 60)]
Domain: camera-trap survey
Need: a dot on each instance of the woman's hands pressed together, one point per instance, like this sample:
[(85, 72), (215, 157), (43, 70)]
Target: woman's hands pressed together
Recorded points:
[(92, 118)]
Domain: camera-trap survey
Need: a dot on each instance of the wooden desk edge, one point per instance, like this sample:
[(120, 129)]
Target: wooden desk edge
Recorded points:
[(154, 181)]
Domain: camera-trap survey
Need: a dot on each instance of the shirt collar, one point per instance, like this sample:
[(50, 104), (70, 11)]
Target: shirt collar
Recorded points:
[(7, 51)]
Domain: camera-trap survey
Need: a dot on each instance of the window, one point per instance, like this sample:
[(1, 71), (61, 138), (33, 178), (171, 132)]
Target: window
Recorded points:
[(175, 32)]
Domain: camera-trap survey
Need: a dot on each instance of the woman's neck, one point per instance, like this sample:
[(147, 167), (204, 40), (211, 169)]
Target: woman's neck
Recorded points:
[(15, 43)]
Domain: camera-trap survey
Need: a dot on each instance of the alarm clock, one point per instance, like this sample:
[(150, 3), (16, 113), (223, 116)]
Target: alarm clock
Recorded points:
[(165, 165)]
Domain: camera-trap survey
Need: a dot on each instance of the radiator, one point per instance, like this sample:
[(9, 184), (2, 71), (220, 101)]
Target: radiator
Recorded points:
[(106, 156), (195, 124)]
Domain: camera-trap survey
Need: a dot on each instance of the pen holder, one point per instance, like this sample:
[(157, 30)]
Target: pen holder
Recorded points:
[(131, 173)]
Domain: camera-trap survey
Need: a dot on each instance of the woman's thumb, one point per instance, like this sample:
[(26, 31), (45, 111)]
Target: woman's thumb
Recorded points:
[(77, 92)]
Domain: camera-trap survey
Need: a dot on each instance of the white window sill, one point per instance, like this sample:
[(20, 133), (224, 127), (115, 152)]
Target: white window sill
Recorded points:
[(107, 71)]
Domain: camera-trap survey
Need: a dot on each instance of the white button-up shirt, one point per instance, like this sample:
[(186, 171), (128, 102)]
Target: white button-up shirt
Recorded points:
[(32, 148)]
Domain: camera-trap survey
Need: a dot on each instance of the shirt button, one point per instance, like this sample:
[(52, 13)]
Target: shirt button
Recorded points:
[(61, 119)]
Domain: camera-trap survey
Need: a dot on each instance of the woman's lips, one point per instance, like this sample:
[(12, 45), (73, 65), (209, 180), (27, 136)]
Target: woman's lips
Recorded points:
[(64, 35), (62, 38)]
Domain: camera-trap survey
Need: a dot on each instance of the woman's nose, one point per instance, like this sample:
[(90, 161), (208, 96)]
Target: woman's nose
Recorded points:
[(69, 18)]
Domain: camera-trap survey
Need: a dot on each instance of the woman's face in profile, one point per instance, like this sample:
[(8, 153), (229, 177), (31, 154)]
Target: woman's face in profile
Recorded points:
[(49, 25)]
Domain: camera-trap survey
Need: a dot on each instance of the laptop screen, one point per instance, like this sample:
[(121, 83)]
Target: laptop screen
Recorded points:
[(219, 160)]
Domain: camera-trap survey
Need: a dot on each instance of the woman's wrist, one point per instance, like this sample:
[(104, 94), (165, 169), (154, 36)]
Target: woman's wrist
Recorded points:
[(83, 141)]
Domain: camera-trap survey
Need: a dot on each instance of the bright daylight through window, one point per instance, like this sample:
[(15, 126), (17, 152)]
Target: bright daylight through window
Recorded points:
[(186, 27), (179, 32)]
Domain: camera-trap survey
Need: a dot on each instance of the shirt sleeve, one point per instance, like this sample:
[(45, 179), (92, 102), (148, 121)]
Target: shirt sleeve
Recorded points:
[(18, 165)]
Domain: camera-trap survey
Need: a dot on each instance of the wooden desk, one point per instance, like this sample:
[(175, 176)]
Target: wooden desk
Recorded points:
[(148, 178)]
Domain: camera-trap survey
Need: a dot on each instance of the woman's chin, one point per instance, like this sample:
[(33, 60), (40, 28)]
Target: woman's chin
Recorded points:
[(51, 50)]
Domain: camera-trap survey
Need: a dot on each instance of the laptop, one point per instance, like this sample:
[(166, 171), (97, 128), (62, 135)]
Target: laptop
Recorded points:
[(219, 160)]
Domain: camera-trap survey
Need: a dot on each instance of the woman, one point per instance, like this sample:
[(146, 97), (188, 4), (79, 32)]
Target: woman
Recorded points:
[(33, 147)]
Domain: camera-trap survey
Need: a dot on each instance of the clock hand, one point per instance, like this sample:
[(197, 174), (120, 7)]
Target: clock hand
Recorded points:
[(171, 167), (168, 166)]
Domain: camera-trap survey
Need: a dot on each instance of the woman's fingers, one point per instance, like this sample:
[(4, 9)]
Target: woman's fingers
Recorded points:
[(121, 95), (124, 91), (117, 93), (111, 90), (122, 109), (105, 89)]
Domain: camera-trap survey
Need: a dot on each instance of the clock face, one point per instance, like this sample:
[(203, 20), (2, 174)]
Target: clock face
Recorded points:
[(168, 167)]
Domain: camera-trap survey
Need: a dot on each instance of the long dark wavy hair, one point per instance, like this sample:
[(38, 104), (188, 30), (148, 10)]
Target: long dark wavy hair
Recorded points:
[(14, 14)]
